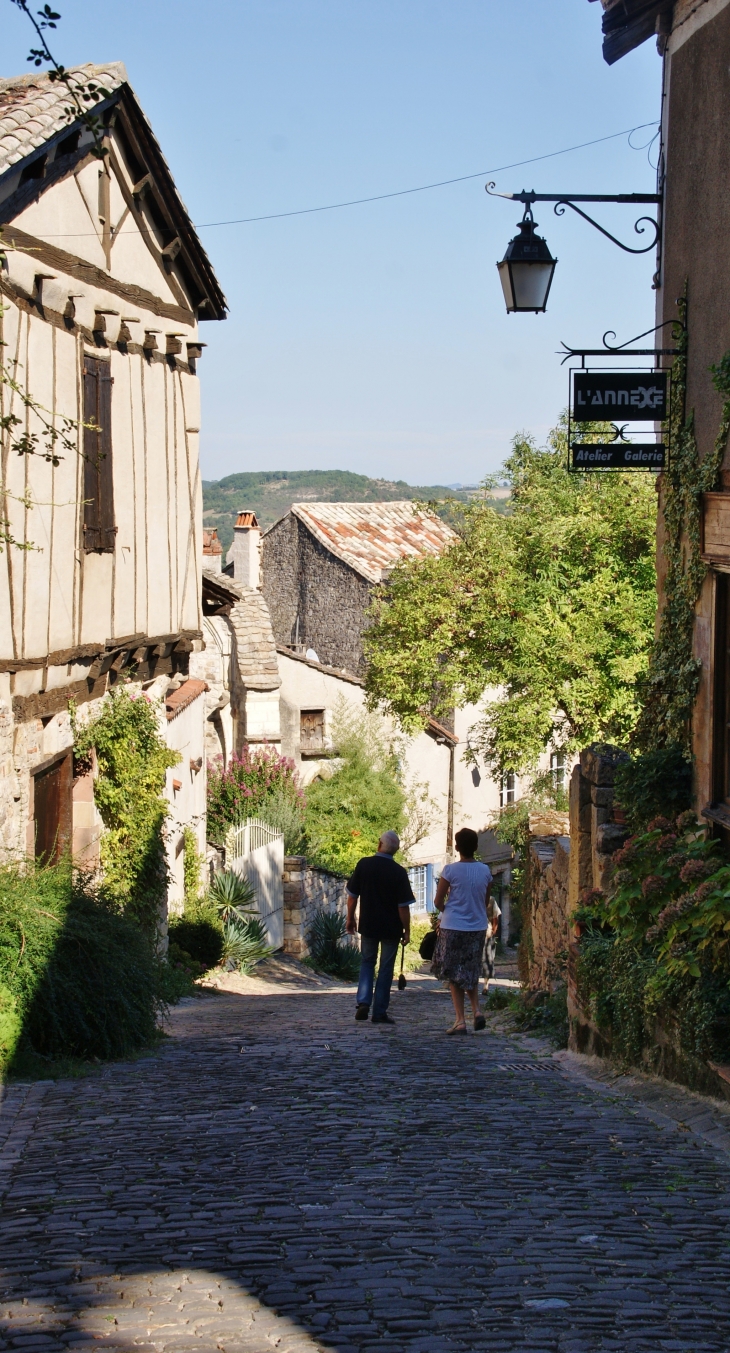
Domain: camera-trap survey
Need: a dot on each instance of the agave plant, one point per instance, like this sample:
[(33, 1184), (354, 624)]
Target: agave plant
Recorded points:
[(232, 895), (244, 942), (329, 953)]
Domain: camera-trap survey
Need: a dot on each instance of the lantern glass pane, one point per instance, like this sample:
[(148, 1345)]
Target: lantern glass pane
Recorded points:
[(531, 282), (506, 280)]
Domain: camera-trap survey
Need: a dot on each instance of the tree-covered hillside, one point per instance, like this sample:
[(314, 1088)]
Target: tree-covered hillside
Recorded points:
[(270, 493)]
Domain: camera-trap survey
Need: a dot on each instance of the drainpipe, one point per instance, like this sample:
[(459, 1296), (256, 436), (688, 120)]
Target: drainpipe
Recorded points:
[(450, 810)]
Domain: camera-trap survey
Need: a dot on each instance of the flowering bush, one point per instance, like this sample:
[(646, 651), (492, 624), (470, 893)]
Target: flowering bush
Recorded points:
[(670, 890), (252, 780)]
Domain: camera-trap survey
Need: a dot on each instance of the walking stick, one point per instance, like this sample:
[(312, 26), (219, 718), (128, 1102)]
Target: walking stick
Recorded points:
[(401, 979)]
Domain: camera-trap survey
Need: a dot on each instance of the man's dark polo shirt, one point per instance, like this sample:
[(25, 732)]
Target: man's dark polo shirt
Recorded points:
[(382, 886)]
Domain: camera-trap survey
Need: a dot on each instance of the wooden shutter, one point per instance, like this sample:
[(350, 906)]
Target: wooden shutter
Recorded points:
[(99, 528), (52, 810), (311, 729)]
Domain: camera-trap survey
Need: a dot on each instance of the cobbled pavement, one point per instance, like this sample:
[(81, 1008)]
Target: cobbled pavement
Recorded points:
[(280, 1177)]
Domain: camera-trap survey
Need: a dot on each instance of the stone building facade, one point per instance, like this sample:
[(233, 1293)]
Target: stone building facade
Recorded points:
[(320, 563)]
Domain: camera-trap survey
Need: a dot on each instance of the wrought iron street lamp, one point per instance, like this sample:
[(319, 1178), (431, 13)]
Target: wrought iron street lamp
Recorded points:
[(526, 271)]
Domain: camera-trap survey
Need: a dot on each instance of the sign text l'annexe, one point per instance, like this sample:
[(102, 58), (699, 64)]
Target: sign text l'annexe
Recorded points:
[(637, 396)]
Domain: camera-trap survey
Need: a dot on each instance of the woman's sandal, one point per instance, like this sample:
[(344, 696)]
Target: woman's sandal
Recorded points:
[(458, 1028), (479, 1022)]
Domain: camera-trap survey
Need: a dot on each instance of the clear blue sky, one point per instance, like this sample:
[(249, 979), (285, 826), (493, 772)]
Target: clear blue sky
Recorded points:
[(374, 338)]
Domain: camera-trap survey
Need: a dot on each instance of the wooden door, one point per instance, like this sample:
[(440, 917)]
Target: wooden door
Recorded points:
[(52, 810)]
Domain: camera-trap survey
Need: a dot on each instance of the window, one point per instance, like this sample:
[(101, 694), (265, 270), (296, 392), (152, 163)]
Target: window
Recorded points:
[(311, 730), (507, 789), (99, 528), (557, 769), (423, 883)]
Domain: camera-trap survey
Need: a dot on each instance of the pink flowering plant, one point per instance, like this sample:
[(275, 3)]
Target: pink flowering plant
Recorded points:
[(670, 890), (259, 782)]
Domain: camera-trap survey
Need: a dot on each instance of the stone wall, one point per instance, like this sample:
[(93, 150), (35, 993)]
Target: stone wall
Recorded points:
[(305, 890), (595, 836), (562, 869), (546, 930), (303, 580)]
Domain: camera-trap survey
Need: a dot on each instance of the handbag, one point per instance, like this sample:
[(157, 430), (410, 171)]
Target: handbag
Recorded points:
[(428, 944)]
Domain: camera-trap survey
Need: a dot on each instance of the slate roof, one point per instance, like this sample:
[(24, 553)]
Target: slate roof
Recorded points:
[(32, 108), (372, 537), (255, 650)]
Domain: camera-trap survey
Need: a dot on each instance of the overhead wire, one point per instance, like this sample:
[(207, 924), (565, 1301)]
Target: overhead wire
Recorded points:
[(442, 183), (406, 192)]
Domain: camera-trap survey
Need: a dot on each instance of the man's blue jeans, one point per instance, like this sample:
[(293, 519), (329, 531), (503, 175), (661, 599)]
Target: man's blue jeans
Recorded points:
[(368, 959)]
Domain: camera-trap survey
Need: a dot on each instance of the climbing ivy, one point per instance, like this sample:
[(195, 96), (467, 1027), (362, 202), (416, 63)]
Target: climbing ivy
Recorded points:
[(132, 758), (671, 684)]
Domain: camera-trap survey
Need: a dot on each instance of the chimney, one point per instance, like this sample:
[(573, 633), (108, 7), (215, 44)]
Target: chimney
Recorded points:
[(212, 550), (245, 550)]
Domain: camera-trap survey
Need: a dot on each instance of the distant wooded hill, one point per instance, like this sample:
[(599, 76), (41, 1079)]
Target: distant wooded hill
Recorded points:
[(270, 493)]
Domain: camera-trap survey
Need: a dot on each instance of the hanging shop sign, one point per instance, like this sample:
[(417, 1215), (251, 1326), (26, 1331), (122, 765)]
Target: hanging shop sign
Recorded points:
[(636, 396), (618, 455), (621, 399)]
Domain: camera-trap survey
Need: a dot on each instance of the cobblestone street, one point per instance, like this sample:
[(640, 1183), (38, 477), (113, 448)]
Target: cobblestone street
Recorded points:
[(278, 1176)]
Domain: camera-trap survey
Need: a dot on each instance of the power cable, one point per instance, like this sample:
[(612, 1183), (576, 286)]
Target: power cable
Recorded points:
[(402, 192), (443, 183)]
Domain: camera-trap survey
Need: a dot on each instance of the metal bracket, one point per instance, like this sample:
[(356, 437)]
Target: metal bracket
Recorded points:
[(622, 349), (563, 200)]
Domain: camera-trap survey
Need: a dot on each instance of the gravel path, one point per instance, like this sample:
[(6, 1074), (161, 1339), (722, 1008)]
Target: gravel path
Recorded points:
[(280, 1177)]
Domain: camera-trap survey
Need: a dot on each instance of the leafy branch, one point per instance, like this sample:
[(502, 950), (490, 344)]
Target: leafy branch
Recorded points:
[(81, 93)]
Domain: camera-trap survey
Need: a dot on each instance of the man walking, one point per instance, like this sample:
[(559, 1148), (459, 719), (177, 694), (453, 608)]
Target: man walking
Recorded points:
[(384, 890)]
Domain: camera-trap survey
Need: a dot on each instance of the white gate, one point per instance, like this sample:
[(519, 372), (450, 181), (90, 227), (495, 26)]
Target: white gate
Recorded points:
[(256, 850)]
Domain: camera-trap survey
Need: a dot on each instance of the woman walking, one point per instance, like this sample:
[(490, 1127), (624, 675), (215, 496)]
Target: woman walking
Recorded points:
[(462, 896)]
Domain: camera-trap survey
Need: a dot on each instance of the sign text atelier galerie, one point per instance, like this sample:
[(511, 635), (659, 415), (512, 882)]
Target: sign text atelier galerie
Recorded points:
[(636, 397)]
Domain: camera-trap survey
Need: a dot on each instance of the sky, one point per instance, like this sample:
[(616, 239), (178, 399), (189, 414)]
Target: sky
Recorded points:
[(374, 338)]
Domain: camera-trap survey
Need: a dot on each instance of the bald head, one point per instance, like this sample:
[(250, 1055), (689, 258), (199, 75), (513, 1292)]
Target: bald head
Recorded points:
[(389, 843)]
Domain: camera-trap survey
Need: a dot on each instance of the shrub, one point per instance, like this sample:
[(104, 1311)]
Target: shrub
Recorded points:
[(660, 782), (77, 980), (178, 975), (286, 815), (329, 952), (200, 937), (246, 786), (132, 758), (347, 813)]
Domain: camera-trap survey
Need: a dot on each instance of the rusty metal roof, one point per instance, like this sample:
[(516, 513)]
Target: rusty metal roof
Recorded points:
[(372, 537)]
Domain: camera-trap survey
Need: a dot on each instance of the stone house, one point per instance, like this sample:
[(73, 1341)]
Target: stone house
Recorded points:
[(103, 285), (321, 562), (693, 42)]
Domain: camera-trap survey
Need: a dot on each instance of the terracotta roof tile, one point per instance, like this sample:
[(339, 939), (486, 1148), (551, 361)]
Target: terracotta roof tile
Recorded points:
[(32, 108), (372, 537), (179, 700)]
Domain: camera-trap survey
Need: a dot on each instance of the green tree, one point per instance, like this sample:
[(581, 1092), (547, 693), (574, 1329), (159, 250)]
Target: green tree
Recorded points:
[(347, 813), (553, 604)]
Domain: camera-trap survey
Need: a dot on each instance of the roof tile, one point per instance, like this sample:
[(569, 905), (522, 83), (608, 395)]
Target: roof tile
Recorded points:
[(372, 537), (33, 108)]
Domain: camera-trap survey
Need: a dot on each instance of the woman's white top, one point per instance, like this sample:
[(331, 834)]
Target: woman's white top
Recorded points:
[(466, 904)]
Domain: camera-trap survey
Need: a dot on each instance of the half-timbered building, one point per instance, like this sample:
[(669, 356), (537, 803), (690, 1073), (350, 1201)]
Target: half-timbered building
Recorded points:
[(103, 285)]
